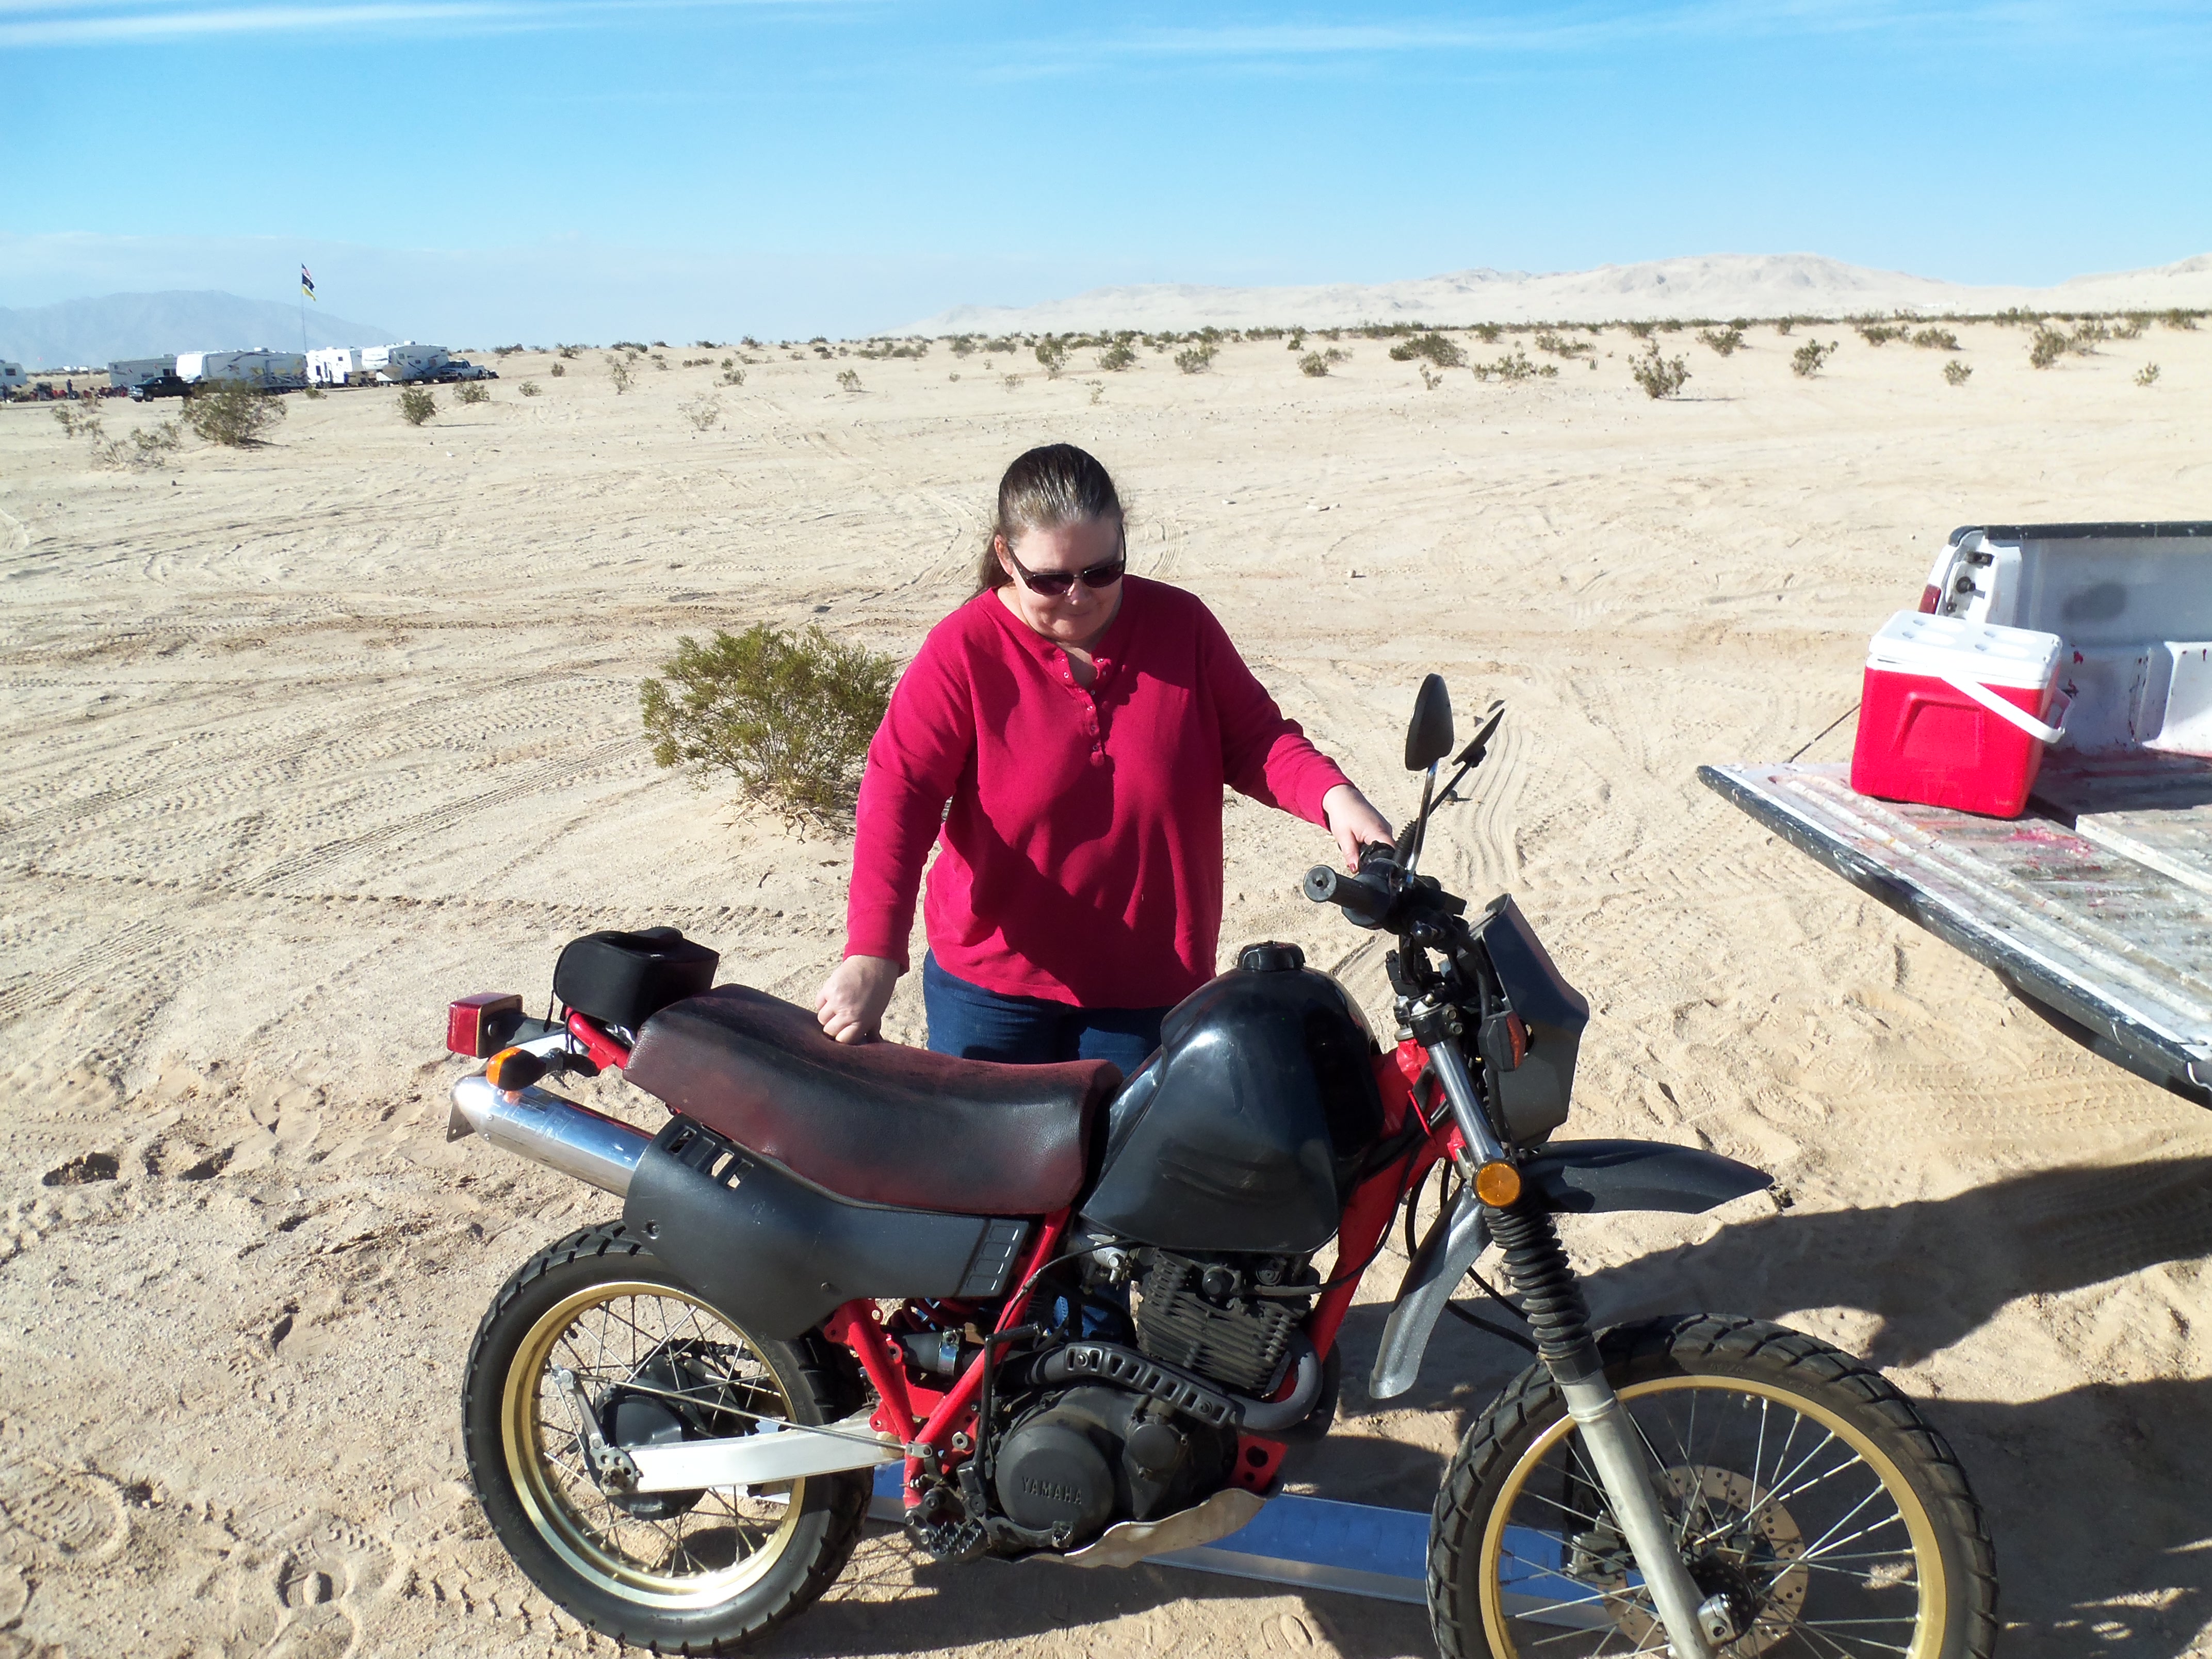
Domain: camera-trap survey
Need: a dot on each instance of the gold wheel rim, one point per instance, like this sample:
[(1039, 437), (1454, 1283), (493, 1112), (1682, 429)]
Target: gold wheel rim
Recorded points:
[(671, 1564), (1925, 1551)]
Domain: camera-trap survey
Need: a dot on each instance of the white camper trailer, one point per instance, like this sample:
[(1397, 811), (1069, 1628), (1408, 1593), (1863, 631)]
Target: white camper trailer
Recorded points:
[(273, 371), (139, 371), (403, 361), (12, 377), (334, 365)]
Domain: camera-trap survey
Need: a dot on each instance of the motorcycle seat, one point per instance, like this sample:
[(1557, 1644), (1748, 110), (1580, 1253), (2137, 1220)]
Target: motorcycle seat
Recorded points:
[(877, 1121)]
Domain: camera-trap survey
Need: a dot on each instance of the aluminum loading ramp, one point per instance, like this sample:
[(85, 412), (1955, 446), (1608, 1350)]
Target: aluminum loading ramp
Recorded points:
[(2095, 909)]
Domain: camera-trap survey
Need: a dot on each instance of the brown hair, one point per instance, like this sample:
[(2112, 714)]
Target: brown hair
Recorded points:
[(1046, 489)]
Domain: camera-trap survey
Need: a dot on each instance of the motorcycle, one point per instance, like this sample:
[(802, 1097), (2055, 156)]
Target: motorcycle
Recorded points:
[(1082, 1314)]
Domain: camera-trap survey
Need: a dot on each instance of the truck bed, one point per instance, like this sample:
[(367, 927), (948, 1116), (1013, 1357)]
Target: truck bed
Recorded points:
[(2095, 909)]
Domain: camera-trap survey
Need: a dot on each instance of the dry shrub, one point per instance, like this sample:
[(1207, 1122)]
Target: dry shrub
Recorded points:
[(619, 371), (234, 413), (472, 391), (1432, 346), (558, 370), (1313, 363), (732, 376), (850, 379), (2147, 375), (1936, 339), (2048, 346), (1723, 340), (1661, 377), (787, 715), (1118, 356), (1876, 334), (1051, 352), (530, 388), (1516, 367), (1194, 360), (1811, 358), (1956, 373), (416, 406)]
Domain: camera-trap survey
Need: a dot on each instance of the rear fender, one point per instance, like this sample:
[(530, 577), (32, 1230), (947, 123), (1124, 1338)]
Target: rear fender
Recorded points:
[(1574, 1177)]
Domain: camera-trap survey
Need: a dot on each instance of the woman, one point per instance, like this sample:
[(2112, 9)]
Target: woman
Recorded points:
[(1081, 724)]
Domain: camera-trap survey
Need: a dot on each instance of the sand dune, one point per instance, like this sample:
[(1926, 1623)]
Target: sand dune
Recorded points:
[(304, 740), (1718, 285)]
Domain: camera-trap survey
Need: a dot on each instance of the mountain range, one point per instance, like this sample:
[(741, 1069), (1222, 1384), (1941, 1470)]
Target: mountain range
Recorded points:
[(116, 325), (1715, 285)]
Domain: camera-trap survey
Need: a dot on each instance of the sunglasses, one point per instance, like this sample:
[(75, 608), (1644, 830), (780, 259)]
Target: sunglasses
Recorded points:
[(1055, 584)]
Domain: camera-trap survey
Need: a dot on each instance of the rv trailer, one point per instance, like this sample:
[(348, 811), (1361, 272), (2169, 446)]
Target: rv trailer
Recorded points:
[(129, 372), (272, 371), (403, 361), (334, 365)]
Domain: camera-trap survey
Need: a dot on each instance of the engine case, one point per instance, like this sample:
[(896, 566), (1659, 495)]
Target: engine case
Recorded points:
[(1242, 1132), (1238, 1341), (1095, 1454)]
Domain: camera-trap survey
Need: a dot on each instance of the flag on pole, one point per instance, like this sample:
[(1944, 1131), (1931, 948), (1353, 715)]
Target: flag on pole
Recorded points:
[(307, 284)]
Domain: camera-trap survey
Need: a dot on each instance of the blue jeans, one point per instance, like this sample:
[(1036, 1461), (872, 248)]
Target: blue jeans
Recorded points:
[(974, 1024)]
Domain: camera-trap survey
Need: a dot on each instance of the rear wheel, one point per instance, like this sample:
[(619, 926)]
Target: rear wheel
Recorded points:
[(596, 1323), (1811, 1502)]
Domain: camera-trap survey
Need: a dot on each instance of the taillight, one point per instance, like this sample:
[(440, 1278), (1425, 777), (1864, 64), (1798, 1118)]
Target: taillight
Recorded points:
[(479, 1026), (1931, 597)]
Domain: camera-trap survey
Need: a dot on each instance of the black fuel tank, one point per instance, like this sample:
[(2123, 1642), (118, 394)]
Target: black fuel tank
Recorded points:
[(1242, 1132)]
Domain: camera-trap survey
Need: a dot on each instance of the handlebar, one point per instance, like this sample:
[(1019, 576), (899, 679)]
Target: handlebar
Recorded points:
[(1364, 899)]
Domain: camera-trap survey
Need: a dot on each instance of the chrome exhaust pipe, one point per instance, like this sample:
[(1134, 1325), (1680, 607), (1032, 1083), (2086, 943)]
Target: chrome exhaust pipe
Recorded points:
[(547, 1129)]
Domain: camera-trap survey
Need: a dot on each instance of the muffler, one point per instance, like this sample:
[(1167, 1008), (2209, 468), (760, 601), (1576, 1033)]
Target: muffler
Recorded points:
[(547, 1129)]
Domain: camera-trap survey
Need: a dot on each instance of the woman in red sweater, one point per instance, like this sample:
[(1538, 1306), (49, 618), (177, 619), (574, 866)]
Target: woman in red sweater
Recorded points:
[(1079, 725)]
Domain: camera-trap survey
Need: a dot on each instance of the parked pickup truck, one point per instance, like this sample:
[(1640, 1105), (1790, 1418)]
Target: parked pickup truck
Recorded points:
[(460, 368), (2095, 908)]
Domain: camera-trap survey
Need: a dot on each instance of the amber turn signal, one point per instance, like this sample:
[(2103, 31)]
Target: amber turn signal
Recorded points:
[(1497, 1184), (515, 1068)]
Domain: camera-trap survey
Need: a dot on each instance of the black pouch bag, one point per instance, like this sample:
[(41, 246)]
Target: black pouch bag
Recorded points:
[(624, 978)]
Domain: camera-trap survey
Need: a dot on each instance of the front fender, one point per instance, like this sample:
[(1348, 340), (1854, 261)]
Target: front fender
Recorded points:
[(1574, 1177)]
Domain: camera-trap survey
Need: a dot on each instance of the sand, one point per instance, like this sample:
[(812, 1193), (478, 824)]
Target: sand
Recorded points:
[(303, 741)]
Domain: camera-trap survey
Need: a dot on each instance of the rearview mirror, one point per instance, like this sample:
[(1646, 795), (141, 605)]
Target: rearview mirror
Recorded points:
[(1429, 734)]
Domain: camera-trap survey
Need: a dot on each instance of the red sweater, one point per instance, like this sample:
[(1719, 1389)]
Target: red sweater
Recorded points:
[(1082, 851)]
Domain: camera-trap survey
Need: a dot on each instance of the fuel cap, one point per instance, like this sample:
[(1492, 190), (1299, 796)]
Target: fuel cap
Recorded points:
[(1272, 957)]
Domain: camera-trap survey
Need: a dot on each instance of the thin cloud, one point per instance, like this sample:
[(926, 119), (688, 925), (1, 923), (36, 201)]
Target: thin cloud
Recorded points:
[(95, 22)]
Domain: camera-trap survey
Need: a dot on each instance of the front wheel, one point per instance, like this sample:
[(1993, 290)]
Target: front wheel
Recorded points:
[(1811, 1502), (597, 1324)]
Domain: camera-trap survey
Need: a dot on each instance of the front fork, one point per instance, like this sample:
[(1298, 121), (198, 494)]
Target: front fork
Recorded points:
[(1561, 1321)]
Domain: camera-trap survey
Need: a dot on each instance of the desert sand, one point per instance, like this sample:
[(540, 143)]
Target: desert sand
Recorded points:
[(304, 740)]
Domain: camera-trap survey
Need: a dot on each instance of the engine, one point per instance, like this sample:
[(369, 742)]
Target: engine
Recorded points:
[(1229, 1320)]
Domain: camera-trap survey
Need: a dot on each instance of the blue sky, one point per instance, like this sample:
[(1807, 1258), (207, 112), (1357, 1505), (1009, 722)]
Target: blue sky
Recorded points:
[(586, 169)]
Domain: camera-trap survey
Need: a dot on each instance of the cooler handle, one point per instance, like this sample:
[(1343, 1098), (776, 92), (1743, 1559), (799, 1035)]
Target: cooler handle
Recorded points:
[(2013, 713)]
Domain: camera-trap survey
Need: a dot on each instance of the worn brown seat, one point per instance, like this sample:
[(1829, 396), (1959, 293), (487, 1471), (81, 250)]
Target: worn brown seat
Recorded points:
[(877, 1121)]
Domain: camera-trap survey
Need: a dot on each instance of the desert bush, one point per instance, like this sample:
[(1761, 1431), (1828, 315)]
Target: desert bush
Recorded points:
[(1935, 339), (702, 411), (635, 348), (1660, 377), (732, 377), (1642, 330), (1430, 377), (558, 370), (1011, 382), (1516, 367), (1876, 334), (1723, 340), (2147, 375), (566, 351), (1313, 363), (1558, 345), (1955, 374), (1811, 358), (1051, 352), (472, 391), (850, 379), (1097, 391), (2131, 327), (506, 351), (1487, 332), (787, 715), (78, 419), (1118, 356), (696, 362), (2177, 318), (416, 406), (1336, 354), (530, 388), (1194, 360), (1433, 347), (619, 371), (2048, 346), (1297, 342), (234, 413), (964, 345), (1785, 326)]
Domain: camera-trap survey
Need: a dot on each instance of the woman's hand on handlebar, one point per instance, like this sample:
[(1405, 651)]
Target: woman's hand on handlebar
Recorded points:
[(852, 1000), (1353, 822)]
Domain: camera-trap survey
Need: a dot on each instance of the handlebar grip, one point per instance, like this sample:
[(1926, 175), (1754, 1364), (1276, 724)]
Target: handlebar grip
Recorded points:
[(1362, 899)]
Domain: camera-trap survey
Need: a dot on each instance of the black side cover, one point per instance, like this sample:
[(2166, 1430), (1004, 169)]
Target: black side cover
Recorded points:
[(1579, 1176), (778, 1255)]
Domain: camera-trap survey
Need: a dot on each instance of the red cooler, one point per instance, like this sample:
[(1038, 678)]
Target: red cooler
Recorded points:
[(1953, 713)]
